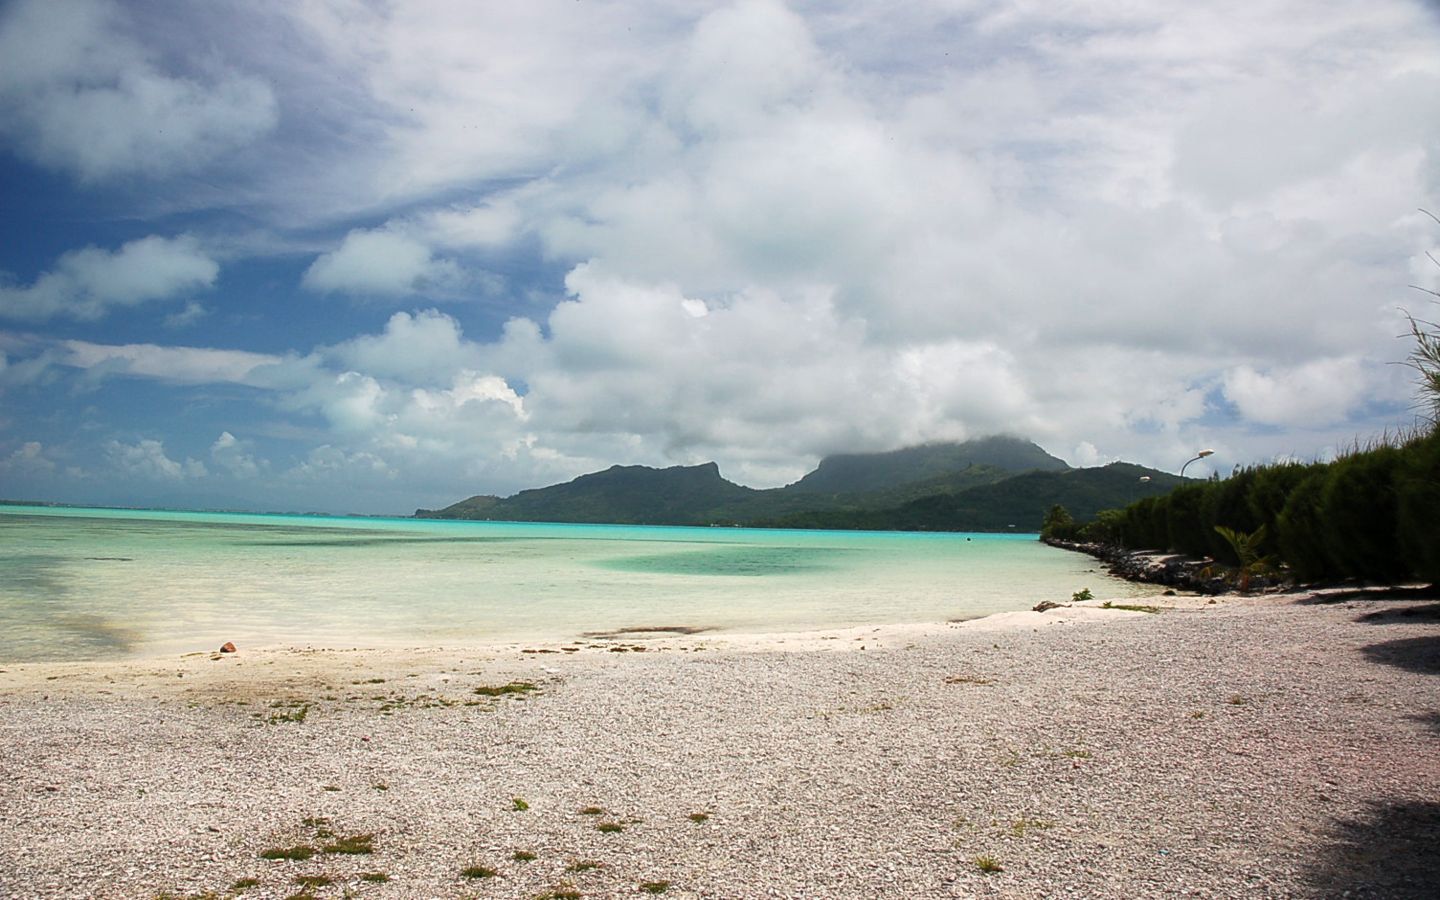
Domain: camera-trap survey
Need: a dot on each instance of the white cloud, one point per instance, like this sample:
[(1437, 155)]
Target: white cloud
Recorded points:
[(1314, 394), (425, 347), (29, 459), (381, 262), (146, 459), (88, 283), (184, 365), (234, 456), (80, 94)]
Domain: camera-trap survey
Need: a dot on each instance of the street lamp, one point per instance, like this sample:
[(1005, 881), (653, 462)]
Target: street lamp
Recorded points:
[(1198, 456)]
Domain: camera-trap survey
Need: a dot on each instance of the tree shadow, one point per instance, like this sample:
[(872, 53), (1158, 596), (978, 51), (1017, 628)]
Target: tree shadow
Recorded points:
[(1430, 720), (1429, 612), (1388, 852), (1378, 592), (1418, 654)]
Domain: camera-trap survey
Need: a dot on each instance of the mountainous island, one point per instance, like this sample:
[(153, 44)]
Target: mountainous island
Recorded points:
[(989, 484)]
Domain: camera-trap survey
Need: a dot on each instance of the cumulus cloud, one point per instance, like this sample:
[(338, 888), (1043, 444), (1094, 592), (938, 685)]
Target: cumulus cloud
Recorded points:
[(146, 459), (88, 283), (28, 459), (79, 93), (1315, 393), (381, 262), (235, 456)]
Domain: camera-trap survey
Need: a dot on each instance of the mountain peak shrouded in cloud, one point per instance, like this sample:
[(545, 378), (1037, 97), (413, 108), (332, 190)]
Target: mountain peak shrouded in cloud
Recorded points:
[(352, 256)]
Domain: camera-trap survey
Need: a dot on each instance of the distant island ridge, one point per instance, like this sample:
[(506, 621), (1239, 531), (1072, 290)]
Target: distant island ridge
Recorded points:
[(992, 484)]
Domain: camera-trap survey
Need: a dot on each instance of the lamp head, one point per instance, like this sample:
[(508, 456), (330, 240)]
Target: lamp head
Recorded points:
[(1204, 453)]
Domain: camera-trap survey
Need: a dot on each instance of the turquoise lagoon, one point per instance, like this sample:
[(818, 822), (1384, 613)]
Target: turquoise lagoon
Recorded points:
[(101, 583)]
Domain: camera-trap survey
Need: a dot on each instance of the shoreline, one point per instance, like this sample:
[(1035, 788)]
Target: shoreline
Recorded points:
[(1251, 746)]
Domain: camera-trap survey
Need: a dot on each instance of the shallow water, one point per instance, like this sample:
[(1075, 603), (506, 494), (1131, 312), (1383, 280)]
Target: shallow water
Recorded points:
[(92, 583)]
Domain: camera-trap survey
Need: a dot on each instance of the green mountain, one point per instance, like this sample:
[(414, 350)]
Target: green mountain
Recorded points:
[(994, 484), (865, 472), (1017, 503)]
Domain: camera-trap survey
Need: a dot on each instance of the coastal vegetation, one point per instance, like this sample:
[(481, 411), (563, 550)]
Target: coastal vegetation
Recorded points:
[(1371, 516)]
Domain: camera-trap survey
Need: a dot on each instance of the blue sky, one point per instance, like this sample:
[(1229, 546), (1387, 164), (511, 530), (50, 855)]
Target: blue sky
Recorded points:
[(366, 256)]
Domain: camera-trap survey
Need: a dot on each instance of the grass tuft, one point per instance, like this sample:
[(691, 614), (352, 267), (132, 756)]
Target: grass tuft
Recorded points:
[(609, 827), (374, 877), (244, 884), (500, 690), (698, 817), (523, 856), (478, 872), (354, 845), (519, 804), (988, 864), (301, 853), (592, 811), (654, 887), (1132, 607)]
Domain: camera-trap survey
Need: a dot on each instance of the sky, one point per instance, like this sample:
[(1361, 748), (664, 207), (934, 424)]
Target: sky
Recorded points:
[(324, 255)]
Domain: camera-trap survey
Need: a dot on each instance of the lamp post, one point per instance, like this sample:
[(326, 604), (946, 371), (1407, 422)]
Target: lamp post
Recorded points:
[(1198, 456)]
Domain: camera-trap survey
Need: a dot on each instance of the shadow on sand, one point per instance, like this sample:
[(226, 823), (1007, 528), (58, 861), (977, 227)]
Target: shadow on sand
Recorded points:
[(1389, 852), (1425, 592), (1418, 654)]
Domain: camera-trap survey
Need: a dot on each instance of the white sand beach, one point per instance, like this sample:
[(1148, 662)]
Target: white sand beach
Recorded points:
[(1249, 747)]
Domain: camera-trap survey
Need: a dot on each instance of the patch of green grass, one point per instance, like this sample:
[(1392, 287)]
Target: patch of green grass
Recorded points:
[(988, 864), (1019, 827), (354, 845), (301, 852), (1237, 700), (519, 804), (374, 877), (654, 887), (369, 681), (583, 865), (698, 817), (968, 679), (478, 872), (288, 712), (501, 690), (1132, 607), (1078, 754), (1082, 595), (244, 884), (561, 892), (592, 811), (331, 787), (523, 856), (609, 827), (314, 881)]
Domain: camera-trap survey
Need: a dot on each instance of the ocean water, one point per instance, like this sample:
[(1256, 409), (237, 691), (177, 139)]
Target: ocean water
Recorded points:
[(81, 584)]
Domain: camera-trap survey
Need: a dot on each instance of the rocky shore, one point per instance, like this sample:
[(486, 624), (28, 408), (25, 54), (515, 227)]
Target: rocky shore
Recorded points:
[(1172, 570), (1272, 746)]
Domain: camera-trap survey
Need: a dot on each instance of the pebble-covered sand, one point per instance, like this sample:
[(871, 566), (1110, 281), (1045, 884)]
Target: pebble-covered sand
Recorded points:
[(1253, 747)]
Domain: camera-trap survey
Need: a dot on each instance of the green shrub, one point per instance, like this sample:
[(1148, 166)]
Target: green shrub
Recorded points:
[(1302, 527), (1184, 524), (1418, 514), (1362, 511), (1269, 490), (1225, 506)]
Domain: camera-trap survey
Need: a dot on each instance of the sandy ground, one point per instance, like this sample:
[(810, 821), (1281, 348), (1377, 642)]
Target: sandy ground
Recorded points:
[(1247, 747)]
